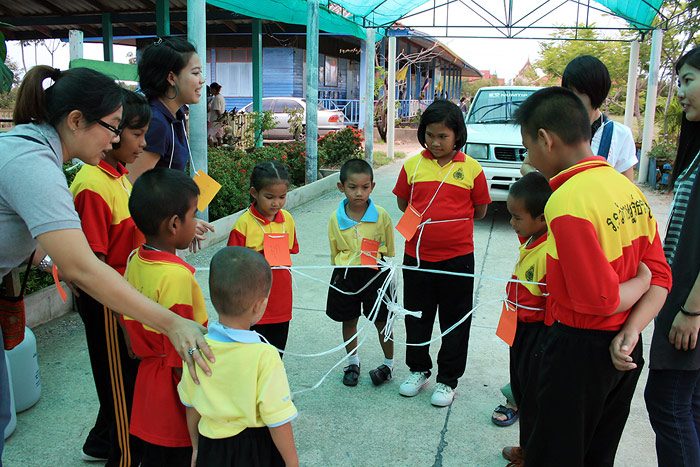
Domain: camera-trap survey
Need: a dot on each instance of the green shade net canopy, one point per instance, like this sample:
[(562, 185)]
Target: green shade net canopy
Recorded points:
[(350, 17)]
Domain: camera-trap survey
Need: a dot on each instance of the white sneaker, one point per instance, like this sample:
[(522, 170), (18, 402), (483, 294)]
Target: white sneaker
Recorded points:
[(443, 395), (413, 384), (88, 458)]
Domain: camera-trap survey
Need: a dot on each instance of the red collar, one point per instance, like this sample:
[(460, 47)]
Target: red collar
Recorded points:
[(459, 157), (116, 173), (279, 217), (582, 165), (163, 257), (537, 242)]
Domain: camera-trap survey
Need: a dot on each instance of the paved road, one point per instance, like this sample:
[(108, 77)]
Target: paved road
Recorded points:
[(337, 425)]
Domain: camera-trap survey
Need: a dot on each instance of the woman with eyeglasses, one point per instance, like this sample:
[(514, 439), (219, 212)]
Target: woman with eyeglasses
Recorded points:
[(78, 116), (170, 75)]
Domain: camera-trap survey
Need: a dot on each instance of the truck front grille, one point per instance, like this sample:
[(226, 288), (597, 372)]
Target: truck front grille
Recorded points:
[(509, 154)]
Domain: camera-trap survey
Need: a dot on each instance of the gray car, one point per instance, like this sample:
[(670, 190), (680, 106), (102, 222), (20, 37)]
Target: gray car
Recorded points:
[(328, 120)]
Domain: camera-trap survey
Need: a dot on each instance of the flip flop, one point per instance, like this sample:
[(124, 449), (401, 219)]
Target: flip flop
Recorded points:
[(511, 416)]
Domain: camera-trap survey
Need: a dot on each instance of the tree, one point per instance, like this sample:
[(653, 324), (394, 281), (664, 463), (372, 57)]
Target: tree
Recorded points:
[(380, 80), (555, 56), (52, 45)]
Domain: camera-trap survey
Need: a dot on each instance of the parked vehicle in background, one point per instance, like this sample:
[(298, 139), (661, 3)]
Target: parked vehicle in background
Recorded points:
[(328, 120), (492, 137)]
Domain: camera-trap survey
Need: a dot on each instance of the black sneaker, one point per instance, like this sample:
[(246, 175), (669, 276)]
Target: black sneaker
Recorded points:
[(380, 375), (352, 373)]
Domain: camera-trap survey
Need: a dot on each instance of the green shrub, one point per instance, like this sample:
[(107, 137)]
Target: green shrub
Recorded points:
[(336, 147), (664, 148), (232, 168)]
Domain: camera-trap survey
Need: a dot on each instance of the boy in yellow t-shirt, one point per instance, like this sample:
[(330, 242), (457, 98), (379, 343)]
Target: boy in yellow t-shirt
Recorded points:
[(235, 424)]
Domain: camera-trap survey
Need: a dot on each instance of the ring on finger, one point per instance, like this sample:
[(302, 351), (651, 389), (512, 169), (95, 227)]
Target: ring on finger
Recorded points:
[(192, 350)]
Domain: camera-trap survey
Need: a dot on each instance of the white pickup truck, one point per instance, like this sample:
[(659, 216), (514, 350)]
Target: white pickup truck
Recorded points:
[(492, 137)]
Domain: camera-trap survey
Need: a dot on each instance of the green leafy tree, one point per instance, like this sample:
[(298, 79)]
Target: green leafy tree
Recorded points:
[(554, 56)]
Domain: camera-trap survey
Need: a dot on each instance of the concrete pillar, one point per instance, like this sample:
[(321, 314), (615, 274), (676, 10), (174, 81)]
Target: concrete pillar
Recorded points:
[(107, 38), (75, 44), (311, 90), (391, 97), (650, 107), (631, 82), (257, 73), (369, 93), (363, 84), (197, 35)]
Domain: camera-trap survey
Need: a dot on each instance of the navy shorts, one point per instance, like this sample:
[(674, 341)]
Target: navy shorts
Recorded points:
[(343, 307)]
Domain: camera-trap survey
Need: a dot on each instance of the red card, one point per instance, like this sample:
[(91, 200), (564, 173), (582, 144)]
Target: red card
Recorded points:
[(370, 252), (61, 292), (276, 248), (409, 222), (508, 323)]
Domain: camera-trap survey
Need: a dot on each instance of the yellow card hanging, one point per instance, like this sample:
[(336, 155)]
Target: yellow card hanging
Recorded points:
[(508, 323), (370, 252), (208, 188), (409, 222), (276, 249)]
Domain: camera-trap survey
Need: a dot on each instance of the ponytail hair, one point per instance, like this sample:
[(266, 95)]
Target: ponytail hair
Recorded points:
[(88, 91), (268, 173)]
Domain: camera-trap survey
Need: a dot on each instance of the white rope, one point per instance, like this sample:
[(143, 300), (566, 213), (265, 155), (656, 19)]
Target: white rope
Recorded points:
[(387, 293)]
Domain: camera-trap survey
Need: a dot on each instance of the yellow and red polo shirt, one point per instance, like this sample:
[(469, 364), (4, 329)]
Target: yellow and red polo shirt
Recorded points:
[(101, 196), (529, 299), (600, 228), (443, 194), (249, 231), (157, 416)]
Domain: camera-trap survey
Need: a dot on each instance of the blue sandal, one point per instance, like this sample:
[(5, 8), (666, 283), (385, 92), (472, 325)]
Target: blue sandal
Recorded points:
[(511, 416)]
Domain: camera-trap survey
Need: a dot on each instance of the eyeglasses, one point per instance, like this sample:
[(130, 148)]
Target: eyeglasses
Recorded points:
[(113, 129)]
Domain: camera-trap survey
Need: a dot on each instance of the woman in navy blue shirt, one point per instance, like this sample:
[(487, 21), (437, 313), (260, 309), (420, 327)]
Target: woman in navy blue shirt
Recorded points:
[(170, 74)]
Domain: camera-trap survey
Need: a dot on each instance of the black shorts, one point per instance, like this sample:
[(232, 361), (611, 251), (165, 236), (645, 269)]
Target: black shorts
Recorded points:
[(342, 307), (252, 447)]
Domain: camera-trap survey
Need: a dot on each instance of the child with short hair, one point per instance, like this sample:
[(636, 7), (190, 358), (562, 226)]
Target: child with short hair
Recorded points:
[(163, 205), (526, 201), (241, 415), (445, 190), (600, 228), (101, 197), (356, 219), (265, 219)]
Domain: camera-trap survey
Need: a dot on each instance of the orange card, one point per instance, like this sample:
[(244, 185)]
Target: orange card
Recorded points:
[(276, 248), (409, 222), (508, 323), (370, 252), (208, 188), (61, 292)]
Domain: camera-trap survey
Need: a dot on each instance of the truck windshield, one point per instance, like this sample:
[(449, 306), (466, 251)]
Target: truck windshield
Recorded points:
[(497, 106)]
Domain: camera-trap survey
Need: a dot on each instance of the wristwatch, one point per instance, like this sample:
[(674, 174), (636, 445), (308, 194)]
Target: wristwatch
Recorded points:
[(689, 313), (46, 264)]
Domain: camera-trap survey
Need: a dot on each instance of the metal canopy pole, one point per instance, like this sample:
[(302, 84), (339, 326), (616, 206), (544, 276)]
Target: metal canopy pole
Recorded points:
[(197, 35), (369, 97), (257, 73), (650, 107), (162, 18), (311, 90), (631, 82), (107, 38), (391, 98)]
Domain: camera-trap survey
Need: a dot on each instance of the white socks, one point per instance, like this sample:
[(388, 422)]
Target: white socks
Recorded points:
[(354, 359), (389, 362)]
